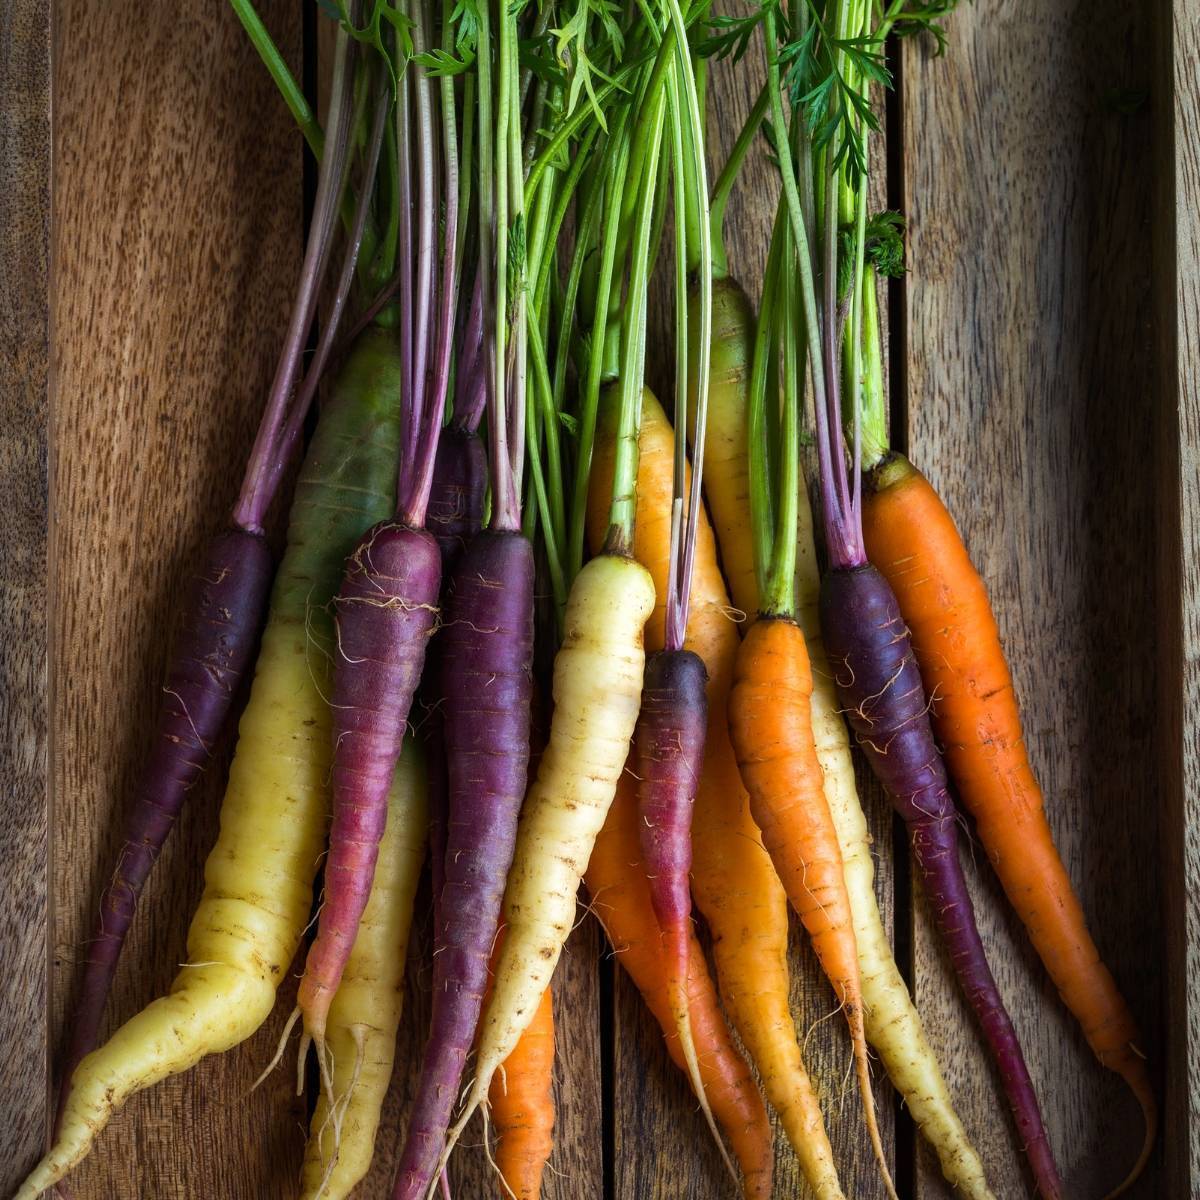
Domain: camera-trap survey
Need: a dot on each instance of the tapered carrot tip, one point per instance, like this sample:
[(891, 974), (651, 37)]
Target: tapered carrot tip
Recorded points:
[(1132, 1069)]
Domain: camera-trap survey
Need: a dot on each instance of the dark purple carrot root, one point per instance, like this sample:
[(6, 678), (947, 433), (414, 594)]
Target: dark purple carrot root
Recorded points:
[(385, 611), (218, 630), (669, 745), (487, 682), (880, 686)]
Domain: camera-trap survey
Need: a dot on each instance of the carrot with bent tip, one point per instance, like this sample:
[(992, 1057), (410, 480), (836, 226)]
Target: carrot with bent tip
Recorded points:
[(620, 894), (222, 613), (868, 646), (770, 706), (913, 541)]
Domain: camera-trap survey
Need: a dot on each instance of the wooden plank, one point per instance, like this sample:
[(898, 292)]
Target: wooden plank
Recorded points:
[(24, 599), (177, 246), (1029, 385), (1177, 268)]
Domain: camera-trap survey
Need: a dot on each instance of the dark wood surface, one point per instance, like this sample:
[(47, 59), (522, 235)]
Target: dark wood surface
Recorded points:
[(1027, 385), (1177, 270), (1030, 392), (24, 582)]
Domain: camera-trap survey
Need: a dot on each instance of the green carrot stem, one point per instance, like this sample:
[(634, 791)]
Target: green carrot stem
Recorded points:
[(633, 344), (762, 489), (698, 227), (874, 438), (551, 152), (285, 81), (589, 406), (565, 193), (725, 181), (800, 232), (542, 420), (780, 588)]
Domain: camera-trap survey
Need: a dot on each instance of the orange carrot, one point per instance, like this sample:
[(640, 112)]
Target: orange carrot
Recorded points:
[(912, 539), (770, 721), (522, 1104), (620, 893), (733, 881)]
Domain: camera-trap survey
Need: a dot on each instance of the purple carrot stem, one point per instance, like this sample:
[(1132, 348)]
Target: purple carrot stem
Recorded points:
[(218, 629), (439, 384), (487, 682), (257, 487), (466, 386), (880, 687), (312, 379)]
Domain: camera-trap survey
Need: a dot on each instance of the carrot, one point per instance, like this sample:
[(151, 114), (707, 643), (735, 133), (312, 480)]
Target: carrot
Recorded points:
[(912, 539), (220, 621), (893, 1026), (365, 1013), (597, 687), (620, 894), (522, 1103), (770, 704), (669, 739), (868, 646), (733, 880), (258, 878), (726, 449), (388, 601), (486, 658), (668, 757), (597, 693)]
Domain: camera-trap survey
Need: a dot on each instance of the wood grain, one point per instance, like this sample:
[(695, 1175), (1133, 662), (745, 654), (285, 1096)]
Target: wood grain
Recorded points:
[(24, 392), (1027, 354), (1177, 268), (177, 237), (1029, 385)]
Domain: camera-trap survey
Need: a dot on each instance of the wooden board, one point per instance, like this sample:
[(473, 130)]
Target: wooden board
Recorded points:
[(1029, 399), (1177, 266), (1026, 385), (177, 235), (24, 586)]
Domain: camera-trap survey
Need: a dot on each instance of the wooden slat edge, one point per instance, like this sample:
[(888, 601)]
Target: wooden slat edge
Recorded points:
[(1177, 252), (24, 391)]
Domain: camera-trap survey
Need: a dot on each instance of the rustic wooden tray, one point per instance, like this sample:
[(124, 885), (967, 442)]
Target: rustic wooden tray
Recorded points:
[(1044, 370)]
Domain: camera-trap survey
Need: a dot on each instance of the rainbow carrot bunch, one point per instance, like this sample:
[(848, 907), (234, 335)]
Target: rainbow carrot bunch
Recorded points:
[(496, 516)]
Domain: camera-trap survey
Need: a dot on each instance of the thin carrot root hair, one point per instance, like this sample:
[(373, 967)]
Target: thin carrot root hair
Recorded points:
[(278, 1056)]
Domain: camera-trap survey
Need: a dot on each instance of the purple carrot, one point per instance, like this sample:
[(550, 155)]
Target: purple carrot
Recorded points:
[(669, 746), (487, 683), (454, 516), (385, 612), (880, 689), (880, 686), (388, 601), (219, 624)]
